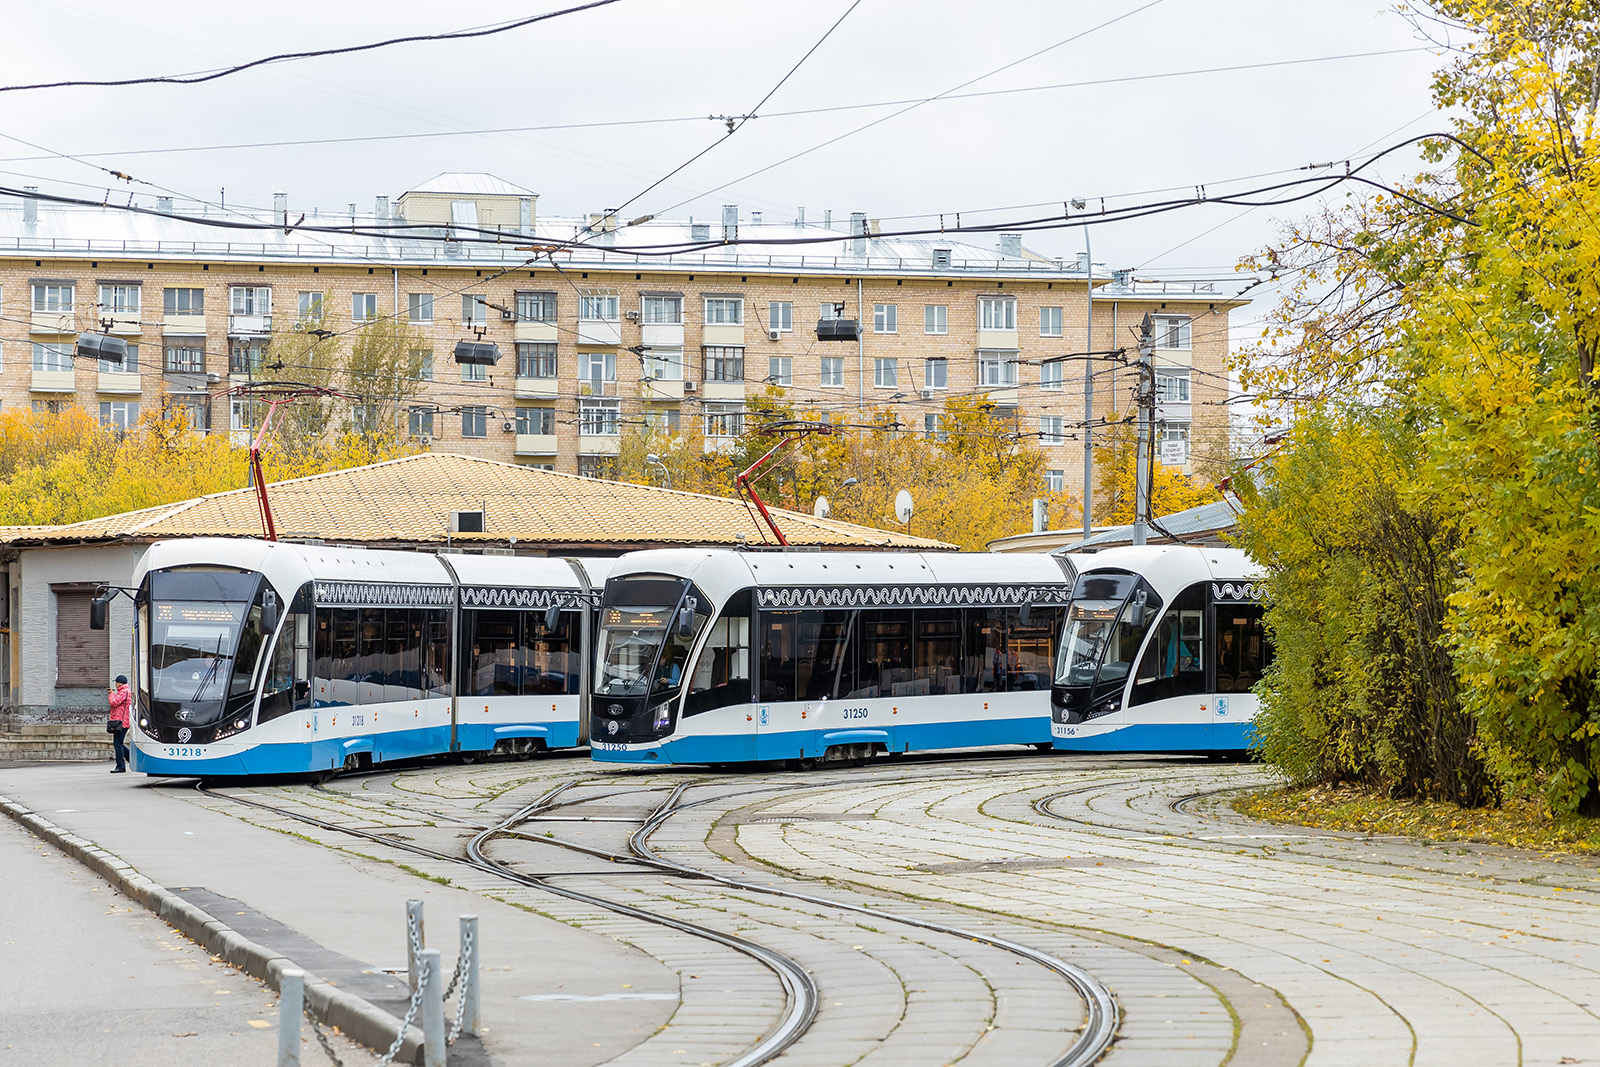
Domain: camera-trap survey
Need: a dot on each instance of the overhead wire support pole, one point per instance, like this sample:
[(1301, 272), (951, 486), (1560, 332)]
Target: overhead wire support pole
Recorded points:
[(792, 432), (1088, 387), (1147, 403)]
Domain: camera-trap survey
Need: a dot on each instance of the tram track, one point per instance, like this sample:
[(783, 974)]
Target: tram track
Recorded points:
[(1101, 1014)]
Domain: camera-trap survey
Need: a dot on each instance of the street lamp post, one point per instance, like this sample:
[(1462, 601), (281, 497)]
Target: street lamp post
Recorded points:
[(652, 458)]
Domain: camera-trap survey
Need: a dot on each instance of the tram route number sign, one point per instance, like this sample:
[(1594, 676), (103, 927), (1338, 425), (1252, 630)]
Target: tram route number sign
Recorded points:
[(631, 619)]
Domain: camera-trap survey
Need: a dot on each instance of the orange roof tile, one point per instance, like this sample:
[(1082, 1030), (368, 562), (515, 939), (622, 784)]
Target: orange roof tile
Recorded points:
[(409, 500)]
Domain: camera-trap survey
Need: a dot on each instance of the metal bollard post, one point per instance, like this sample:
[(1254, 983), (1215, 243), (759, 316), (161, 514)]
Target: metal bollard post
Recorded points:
[(416, 938), (470, 947), (291, 1003), (433, 1046)]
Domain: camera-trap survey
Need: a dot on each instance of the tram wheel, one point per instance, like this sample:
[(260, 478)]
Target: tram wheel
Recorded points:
[(807, 763)]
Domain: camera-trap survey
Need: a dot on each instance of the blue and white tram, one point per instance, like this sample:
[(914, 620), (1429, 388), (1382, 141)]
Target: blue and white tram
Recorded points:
[(729, 657), (1161, 647), (256, 657)]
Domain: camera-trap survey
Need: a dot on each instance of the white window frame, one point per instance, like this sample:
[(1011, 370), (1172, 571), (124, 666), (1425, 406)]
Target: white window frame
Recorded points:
[(1055, 481), (118, 302), (997, 368), (1050, 320), (419, 307), (935, 319), (1173, 386), (605, 362), (129, 364), (885, 318), (48, 298), (599, 307), (724, 311), (52, 356), (936, 373), (479, 418), (1052, 375), (363, 307), (474, 372), (1052, 429), (834, 380), (662, 310), (474, 309), (997, 313), (310, 305), (664, 364), (885, 373), (599, 418), (780, 315), (1173, 332), (780, 370), (249, 299), (121, 414), (725, 420)]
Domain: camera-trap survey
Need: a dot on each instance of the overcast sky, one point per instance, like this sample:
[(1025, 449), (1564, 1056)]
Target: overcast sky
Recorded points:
[(685, 59)]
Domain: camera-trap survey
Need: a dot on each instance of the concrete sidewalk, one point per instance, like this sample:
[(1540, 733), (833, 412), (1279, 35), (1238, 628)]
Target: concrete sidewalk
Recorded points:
[(333, 912)]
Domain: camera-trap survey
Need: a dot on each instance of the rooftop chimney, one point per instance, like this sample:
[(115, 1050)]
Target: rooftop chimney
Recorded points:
[(164, 203), (699, 231), (858, 233), (800, 219), (380, 208), (280, 208), (30, 205), (755, 218), (1083, 262), (1125, 277), (1011, 246), (827, 218), (730, 222)]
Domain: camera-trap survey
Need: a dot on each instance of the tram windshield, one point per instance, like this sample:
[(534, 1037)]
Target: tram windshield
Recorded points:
[(1099, 629), (643, 644), (192, 648)]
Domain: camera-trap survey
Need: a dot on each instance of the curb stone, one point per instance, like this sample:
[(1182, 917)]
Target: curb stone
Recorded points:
[(358, 1019)]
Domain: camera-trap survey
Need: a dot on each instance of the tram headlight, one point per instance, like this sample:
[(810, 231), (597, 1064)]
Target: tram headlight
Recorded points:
[(661, 715), (230, 728)]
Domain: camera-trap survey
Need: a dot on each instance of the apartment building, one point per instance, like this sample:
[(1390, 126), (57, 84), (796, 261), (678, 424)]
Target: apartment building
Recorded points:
[(652, 323)]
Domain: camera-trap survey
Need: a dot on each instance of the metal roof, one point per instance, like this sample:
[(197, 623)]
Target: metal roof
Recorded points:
[(468, 183), (1201, 524)]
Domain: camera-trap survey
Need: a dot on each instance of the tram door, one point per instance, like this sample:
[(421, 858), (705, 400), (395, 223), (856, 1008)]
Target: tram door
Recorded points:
[(720, 689)]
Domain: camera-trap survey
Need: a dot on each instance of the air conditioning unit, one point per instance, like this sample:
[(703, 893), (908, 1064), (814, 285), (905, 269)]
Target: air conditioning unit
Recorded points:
[(689, 386), (425, 440), (772, 335), (633, 316), (508, 426), (927, 394), (466, 522), (508, 315)]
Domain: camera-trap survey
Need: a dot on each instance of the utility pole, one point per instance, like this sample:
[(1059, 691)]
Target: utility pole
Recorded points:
[(1147, 402), (1088, 383)]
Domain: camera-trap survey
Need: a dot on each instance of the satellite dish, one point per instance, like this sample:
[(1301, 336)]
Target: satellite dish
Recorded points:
[(902, 506), (822, 509)]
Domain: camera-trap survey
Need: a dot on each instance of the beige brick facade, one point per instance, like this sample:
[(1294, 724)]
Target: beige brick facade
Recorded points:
[(889, 368)]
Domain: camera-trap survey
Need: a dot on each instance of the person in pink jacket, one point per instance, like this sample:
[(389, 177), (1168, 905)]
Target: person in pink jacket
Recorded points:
[(120, 722)]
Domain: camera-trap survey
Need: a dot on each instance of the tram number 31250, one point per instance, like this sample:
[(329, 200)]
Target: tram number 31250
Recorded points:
[(855, 713)]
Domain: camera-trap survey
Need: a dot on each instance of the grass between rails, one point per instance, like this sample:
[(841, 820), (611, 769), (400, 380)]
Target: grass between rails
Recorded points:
[(1520, 823)]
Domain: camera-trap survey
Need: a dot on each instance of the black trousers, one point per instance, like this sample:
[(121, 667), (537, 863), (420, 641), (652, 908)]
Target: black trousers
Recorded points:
[(120, 747)]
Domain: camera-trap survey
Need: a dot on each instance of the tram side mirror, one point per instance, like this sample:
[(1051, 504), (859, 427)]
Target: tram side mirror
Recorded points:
[(1136, 610), (97, 611), (552, 618), (269, 613), (686, 619), (1025, 615)]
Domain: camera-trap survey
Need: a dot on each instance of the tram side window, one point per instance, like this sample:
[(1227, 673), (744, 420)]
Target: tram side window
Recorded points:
[(436, 650), (780, 655), (885, 663), (827, 651), (402, 652), (1004, 655), (370, 672), (1243, 650), (494, 657), (1128, 635), (722, 672), (938, 653), (549, 664), (286, 686), (1173, 663), (343, 661)]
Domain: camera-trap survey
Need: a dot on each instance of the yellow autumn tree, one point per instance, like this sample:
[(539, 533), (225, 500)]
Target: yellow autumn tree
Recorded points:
[(1116, 469)]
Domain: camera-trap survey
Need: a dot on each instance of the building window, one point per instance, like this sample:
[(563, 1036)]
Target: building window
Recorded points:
[(663, 364), (1172, 387), (196, 410), (119, 414), (997, 313), (419, 421), (602, 306), (123, 299), (183, 301), (830, 311), (185, 357), (932, 427), (51, 406), (663, 423), (241, 414), (1174, 445), (725, 310), (246, 355), (936, 373), (595, 369), (365, 418), (1049, 322), (52, 298), (724, 420), (1172, 331), (536, 360), (52, 357), (310, 307), (423, 359), (249, 300), (536, 307), (599, 418), (1050, 375), (475, 422), (780, 370), (474, 372), (419, 307), (536, 420), (363, 307), (832, 370), (723, 363), (663, 309), (886, 373), (997, 367), (474, 309), (1052, 429), (1055, 481), (129, 364), (597, 466), (936, 318), (885, 318), (780, 316)]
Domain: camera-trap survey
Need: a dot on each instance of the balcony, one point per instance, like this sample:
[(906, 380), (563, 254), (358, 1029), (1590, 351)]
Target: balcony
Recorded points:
[(997, 339), (1001, 396), (53, 381), (660, 389), (717, 333), (598, 445), (183, 325), (599, 332), (249, 325), (534, 332), (662, 334), (711, 390), (536, 444), (184, 381), (125, 323), (121, 382), (53, 322), (536, 388)]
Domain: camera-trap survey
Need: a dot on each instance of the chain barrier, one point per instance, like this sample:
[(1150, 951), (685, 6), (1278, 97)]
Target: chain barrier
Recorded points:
[(461, 1001), (322, 1038), (411, 1015)]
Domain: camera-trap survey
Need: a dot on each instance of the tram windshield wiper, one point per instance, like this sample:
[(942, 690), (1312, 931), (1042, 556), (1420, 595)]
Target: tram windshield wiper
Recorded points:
[(211, 671)]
